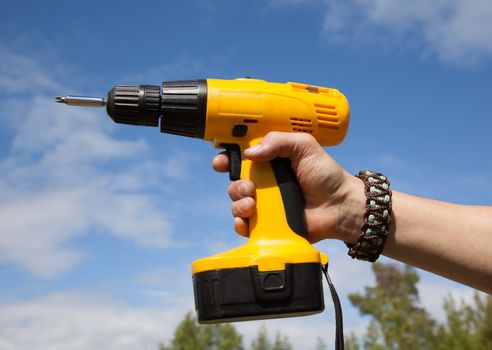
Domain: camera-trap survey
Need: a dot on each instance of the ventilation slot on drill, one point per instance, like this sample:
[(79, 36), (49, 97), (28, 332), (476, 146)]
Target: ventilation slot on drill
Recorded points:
[(327, 116), (301, 125)]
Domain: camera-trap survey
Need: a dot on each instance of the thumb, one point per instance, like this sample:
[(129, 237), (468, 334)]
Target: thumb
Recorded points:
[(282, 144)]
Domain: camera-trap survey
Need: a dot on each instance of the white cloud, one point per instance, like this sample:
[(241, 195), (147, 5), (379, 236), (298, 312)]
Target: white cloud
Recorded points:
[(458, 32), (76, 321), (68, 174), (434, 290), (161, 278), (20, 74)]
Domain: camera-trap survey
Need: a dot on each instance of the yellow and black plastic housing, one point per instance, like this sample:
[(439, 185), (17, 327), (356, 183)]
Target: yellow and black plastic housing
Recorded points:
[(277, 272)]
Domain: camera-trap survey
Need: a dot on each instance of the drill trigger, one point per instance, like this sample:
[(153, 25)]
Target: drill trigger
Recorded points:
[(234, 153)]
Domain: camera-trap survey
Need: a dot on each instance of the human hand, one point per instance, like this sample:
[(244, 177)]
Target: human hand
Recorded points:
[(334, 199)]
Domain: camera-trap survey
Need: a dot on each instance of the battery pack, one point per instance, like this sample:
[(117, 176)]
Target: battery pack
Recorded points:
[(241, 294)]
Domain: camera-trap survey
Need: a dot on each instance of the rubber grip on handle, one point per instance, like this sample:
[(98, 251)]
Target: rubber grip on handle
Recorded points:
[(292, 197)]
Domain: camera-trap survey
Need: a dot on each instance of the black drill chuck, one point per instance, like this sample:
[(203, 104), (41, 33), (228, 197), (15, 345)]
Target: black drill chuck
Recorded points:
[(181, 105), (135, 104)]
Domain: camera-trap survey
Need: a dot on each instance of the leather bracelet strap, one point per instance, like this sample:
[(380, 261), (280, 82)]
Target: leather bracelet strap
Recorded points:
[(377, 218)]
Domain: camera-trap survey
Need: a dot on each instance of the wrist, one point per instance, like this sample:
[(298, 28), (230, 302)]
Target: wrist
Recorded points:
[(351, 210)]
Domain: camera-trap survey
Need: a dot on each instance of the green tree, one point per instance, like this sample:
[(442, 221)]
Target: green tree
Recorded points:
[(467, 326), (261, 341), (351, 343), (189, 335), (282, 342), (485, 331), (398, 321)]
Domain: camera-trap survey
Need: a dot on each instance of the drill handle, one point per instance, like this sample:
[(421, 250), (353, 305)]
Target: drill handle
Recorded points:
[(279, 200), (292, 196)]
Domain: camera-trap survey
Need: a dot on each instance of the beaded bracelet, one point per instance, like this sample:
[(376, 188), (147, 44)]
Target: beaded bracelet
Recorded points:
[(377, 218)]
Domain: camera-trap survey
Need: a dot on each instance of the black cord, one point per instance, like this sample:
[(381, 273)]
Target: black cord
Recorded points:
[(339, 344)]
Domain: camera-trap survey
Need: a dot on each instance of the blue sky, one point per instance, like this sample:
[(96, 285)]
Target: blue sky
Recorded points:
[(99, 223)]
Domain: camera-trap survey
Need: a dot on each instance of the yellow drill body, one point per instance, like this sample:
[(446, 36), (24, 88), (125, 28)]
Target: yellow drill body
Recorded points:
[(264, 107)]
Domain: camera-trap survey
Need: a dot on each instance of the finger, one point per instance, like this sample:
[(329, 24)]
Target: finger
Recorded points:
[(244, 208), (240, 189), (282, 144), (220, 163), (241, 226)]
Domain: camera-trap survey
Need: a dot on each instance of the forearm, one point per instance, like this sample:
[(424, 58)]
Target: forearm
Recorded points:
[(454, 241)]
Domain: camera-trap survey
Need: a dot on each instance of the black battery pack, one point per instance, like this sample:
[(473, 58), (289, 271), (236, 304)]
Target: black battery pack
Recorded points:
[(242, 294)]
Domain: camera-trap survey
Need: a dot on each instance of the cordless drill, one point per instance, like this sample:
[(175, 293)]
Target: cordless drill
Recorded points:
[(277, 272)]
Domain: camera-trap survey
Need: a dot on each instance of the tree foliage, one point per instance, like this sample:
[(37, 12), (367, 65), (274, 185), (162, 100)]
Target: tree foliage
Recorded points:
[(467, 326), (398, 321), (262, 342), (189, 335), (281, 342), (351, 342)]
